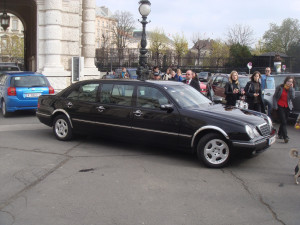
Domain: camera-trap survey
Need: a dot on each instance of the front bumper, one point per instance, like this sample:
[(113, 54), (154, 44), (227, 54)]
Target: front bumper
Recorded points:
[(256, 145)]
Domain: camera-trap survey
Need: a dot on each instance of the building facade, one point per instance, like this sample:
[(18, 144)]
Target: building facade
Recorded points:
[(55, 31)]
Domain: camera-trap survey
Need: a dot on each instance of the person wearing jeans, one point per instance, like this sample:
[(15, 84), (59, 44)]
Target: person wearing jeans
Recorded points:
[(282, 102)]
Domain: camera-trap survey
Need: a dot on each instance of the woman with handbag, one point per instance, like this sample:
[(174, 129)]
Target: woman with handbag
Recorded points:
[(282, 102), (253, 93), (233, 90)]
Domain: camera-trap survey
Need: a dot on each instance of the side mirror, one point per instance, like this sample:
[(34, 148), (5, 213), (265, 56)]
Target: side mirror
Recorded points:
[(167, 107)]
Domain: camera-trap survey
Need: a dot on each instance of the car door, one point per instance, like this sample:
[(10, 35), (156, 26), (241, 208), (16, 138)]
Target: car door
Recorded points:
[(296, 101), (151, 123), (114, 109), (217, 86), (81, 104)]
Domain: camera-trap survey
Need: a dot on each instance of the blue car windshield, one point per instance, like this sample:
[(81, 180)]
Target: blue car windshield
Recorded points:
[(187, 96), (29, 81)]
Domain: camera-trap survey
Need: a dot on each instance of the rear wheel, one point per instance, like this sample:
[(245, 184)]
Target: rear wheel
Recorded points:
[(3, 109), (213, 150), (62, 128)]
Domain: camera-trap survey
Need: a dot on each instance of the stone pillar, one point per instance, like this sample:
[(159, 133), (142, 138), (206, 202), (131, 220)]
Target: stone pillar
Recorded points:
[(53, 36), (88, 38)]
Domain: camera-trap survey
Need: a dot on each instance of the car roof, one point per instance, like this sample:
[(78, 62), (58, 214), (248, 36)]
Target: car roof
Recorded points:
[(22, 73)]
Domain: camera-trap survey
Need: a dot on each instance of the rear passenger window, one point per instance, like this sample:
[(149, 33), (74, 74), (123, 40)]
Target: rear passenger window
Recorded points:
[(297, 83), (119, 94), (87, 92)]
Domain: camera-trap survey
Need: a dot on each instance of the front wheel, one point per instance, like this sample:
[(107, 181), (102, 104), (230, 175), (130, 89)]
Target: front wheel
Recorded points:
[(62, 128), (213, 150)]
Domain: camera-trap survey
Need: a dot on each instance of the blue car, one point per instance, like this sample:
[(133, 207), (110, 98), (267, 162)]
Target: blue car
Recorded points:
[(21, 90)]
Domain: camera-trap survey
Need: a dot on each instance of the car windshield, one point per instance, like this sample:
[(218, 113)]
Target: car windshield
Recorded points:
[(186, 96), (29, 81), (202, 74), (9, 68)]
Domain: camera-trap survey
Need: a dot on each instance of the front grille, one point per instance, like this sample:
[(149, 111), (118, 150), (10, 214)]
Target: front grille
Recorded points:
[(264, 129)]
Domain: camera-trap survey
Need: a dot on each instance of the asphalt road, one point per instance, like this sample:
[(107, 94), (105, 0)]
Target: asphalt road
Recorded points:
[(94, 181)]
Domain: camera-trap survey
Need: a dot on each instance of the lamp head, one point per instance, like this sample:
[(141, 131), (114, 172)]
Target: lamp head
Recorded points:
[(145, 7)]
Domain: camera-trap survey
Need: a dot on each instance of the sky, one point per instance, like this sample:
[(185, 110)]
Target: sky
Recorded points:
[(209, 18)]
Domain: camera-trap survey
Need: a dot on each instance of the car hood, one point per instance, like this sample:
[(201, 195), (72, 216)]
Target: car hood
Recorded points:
[(233, 114)]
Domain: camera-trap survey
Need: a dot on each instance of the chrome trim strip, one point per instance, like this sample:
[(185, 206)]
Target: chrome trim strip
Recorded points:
[(42, 114), (237, 143), (206, 128), (100, 123), (135, 128), (64, 112)]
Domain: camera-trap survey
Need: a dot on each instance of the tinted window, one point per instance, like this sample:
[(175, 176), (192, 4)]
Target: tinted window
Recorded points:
[(243, 81), (116, 94), (29, 81), (87, 92), (224, 82), (148, 97), (297, 83)]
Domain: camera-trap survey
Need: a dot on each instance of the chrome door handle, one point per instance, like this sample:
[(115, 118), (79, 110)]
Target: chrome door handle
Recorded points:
[(268, 94), (70, 104), (138, 113), (100, 108)]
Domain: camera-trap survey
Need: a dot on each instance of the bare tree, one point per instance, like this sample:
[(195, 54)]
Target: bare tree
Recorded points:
[(240, 34), (122, 32), (200, 43)]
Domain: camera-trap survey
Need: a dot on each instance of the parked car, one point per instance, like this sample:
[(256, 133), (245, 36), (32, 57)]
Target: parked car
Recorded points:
[(279, 79), (165, 113), (9, 67), (216, 86), (204, 76), (20, 90), (131, 72)]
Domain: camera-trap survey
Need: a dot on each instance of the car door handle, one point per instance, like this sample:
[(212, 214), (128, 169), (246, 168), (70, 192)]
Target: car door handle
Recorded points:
[(138, 113), (268, 94), (70, 104), (100, 108)]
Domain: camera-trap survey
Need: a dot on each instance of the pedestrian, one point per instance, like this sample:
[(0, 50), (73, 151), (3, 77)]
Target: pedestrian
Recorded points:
[(124, 73), (179, 74), (253, 93), (267, 82), (195, 76), (233, 90), (156, 74), (167, 75), (174, 76), (190, 81), (282, 102)]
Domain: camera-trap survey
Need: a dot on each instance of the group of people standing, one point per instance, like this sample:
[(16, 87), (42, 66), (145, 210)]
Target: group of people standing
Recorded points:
[(190, 79), (254, 91)]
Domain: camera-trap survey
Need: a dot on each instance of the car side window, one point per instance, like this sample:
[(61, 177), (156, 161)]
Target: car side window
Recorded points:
[(120, 94), (224, 82), (86, 92), (297, 84), (218, 81), (152, 98)]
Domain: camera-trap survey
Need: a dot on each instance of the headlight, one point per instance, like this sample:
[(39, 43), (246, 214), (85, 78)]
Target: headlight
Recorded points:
[(249, 131), (252, 131)]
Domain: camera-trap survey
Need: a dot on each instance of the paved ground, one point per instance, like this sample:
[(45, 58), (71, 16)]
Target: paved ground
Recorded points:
[(93, 181)]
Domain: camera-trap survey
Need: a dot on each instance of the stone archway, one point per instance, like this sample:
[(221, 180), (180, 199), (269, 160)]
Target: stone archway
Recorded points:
[(26, 11)]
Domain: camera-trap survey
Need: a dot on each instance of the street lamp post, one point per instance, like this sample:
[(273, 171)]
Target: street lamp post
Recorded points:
[(143, 70), (4, 18)]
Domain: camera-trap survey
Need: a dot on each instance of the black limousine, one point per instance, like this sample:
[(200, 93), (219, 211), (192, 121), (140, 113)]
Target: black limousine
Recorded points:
[(161, 112)]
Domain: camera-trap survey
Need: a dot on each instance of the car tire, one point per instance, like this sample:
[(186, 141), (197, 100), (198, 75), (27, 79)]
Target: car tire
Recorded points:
[(3, 109), (62, 128), (213, 150)]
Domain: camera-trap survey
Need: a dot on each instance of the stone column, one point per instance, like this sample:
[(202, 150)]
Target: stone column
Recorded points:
[(88, 38), (53, 36)]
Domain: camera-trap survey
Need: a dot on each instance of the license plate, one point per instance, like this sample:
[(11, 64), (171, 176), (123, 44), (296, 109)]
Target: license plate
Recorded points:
[(32, 95), (272, 140)]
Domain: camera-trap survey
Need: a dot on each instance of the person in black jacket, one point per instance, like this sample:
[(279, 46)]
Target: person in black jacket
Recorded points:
[(233, 90), (253, 93), (190, 81)]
